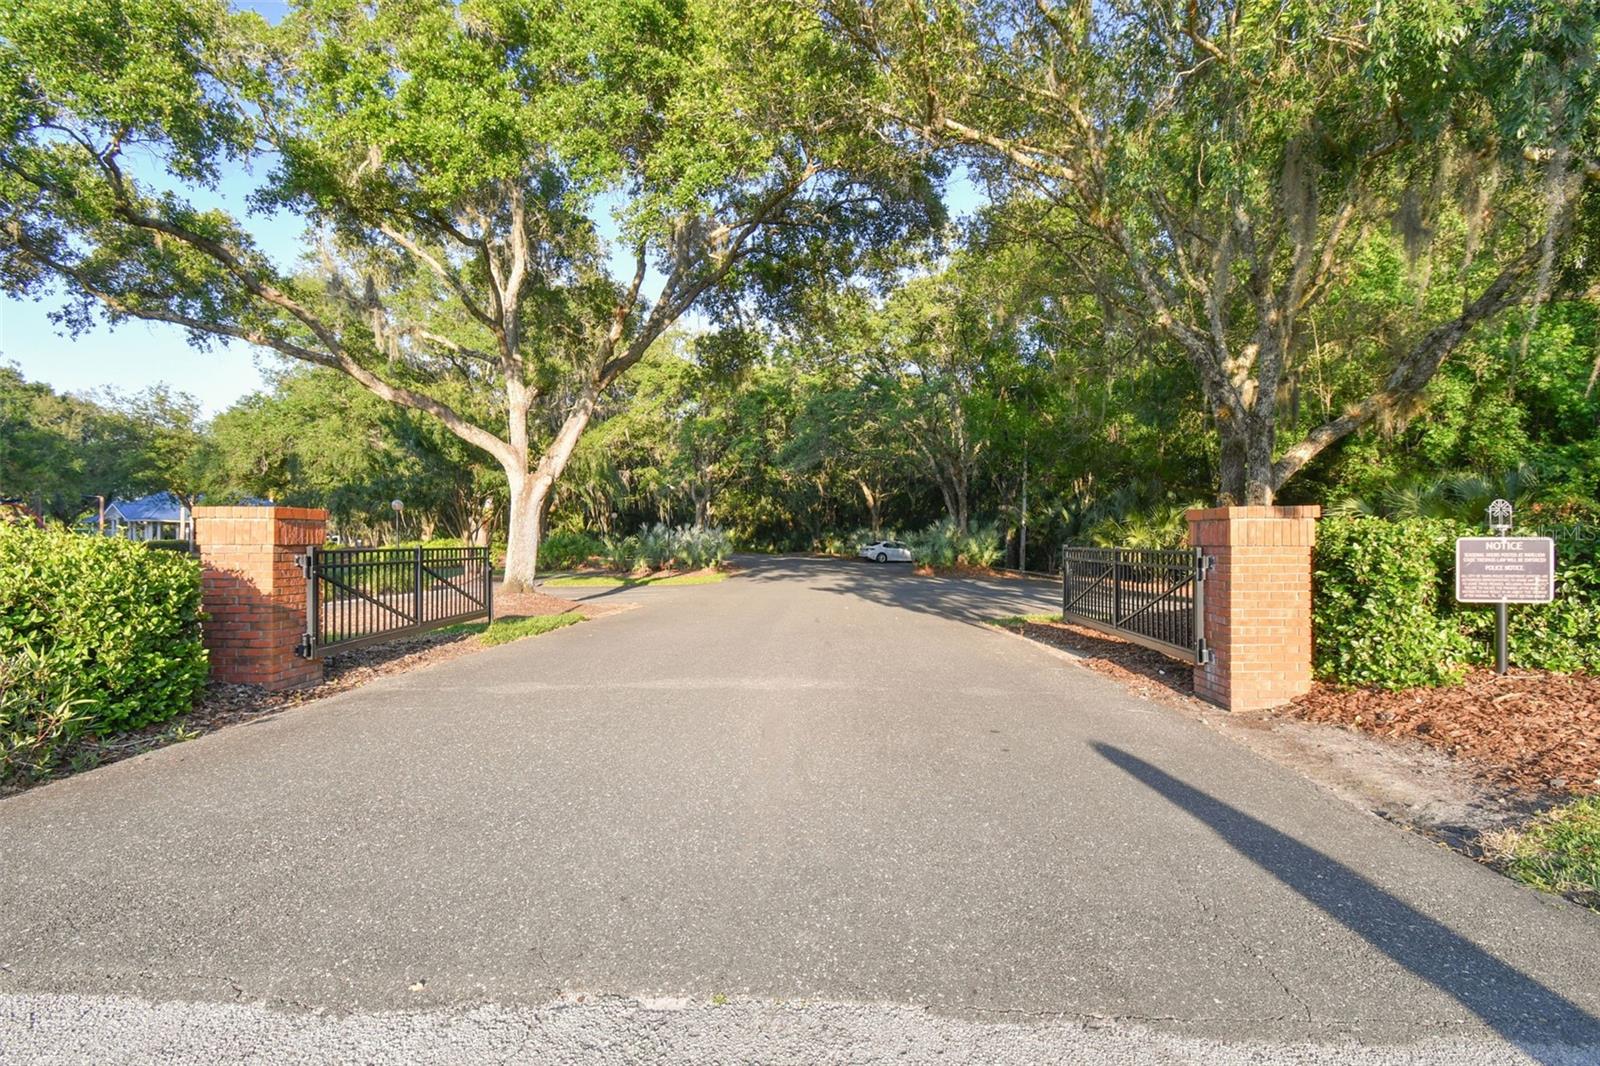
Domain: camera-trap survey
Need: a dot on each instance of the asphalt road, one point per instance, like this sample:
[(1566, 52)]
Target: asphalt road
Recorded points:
[(818, 803)]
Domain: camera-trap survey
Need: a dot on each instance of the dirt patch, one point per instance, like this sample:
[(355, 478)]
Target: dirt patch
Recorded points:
[(532, 603), (223, 704), (1530, 731), (964, 570), (1148, 673)]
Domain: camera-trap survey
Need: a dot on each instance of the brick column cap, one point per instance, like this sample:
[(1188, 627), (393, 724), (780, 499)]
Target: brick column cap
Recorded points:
[(1208, 514), (273, 511)]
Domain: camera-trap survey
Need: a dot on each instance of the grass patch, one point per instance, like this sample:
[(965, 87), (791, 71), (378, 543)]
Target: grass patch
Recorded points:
[(1017, 621), (509, 629), (1558, 851), (611, 581)]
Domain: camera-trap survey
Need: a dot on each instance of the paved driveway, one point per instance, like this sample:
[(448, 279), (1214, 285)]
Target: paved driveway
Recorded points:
[(817, 782)]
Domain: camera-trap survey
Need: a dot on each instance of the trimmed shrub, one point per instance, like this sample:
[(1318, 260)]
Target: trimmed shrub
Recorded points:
[(39, 715), (1378, 612), (1564, 635), (1385, 614), (115, 623), (563, 551)]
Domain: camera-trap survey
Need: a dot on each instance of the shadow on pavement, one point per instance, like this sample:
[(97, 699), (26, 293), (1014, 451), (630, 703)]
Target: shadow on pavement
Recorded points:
[(895, 585), (1534, 1018)]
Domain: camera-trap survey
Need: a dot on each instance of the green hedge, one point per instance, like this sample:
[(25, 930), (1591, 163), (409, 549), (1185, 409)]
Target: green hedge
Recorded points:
[(113, 622), (563, 551), (1384, 611)]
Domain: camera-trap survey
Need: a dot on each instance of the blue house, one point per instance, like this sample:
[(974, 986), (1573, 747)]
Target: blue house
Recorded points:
[(158, 516)]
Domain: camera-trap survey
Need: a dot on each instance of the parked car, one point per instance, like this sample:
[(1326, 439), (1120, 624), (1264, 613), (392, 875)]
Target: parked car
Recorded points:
[(886, 551)]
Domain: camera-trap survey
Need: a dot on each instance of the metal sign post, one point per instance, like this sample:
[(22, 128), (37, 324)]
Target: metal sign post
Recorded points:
[(1500, 524), (1503, 570)]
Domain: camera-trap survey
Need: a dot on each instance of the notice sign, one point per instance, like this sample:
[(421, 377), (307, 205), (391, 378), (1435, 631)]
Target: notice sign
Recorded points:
[(1505, 569)]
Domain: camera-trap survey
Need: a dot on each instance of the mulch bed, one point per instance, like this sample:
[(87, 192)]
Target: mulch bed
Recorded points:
[(1148, 673), (223, 705), (1535, 732)]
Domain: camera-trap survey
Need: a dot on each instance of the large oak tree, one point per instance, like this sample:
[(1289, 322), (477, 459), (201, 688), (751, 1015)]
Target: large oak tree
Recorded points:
[(1210, 169), (454, 163)]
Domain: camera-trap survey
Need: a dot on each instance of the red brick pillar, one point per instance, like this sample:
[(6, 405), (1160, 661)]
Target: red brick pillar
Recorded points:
[(1258, 604), (255, 594)]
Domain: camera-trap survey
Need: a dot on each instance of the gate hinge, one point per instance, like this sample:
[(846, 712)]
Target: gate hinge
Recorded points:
[(1203, 566), (1202, 653)]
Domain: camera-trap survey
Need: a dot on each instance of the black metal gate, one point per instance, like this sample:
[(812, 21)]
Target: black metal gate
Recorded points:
[(1153, 597), (360, 596)]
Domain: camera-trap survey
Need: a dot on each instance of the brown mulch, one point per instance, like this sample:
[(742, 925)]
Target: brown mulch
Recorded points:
[(1532, 731), (1148, 673), (224, 704)]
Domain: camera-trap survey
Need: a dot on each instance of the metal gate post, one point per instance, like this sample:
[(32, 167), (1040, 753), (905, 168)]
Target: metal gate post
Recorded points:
[(308, 566), (1066, 581), (1202, 653), (488, 585)]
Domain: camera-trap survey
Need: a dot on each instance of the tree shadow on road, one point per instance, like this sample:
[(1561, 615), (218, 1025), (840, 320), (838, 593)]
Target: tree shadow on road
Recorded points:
[(968, 599), (1546, 1026)]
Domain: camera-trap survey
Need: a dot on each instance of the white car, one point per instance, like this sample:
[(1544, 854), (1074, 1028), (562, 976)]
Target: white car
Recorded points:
[(886, 551)]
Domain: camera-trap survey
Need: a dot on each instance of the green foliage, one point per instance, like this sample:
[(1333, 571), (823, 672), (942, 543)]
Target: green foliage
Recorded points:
[(563, 551), (944, 544), (1378, 615), (57, 451), (1161, 526), (659, 546), (1564, 635), (848, 544), (505, 630), (1384, 611), (1558, 851), (39, 715), (462, 169), (116, 621), (317, 439)]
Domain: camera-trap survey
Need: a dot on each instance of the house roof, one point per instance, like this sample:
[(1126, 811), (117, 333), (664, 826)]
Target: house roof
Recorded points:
[(156, 507)]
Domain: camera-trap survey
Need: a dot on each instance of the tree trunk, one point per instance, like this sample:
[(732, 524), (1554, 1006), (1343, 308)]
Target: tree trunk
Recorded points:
[(1258, 460), (530, 492), (1246, 463), (874, 501), (525, 511), (959, 485)]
